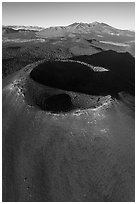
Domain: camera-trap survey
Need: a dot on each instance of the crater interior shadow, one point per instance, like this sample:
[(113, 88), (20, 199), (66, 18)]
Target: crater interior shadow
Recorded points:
[(70, 76), (58, 103)]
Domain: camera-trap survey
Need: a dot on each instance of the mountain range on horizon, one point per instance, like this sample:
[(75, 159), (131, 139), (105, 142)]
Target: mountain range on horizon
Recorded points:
[(85, 30), (75, 24)]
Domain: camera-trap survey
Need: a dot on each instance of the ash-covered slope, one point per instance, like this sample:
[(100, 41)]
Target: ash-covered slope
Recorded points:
[(76, 153)]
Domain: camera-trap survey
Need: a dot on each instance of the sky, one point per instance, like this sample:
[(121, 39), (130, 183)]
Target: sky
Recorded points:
[(45, 14)]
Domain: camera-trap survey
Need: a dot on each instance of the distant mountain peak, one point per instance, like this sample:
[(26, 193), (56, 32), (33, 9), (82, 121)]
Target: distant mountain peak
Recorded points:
[(94, 28)]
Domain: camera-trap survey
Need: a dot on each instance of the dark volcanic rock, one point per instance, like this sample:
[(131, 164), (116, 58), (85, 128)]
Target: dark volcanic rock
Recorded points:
[(121, 66)]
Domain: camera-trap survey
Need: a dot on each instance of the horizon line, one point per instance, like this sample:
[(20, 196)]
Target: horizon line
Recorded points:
[(40, 26)]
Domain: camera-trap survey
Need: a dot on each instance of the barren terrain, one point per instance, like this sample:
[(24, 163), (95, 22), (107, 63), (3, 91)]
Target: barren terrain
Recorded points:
[(68, 114)]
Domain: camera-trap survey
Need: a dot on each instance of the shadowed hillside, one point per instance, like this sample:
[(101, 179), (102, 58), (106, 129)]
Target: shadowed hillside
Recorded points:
[(121, 68)]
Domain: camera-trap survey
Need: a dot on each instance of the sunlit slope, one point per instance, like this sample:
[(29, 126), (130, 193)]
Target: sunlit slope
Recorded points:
[(86, 154)]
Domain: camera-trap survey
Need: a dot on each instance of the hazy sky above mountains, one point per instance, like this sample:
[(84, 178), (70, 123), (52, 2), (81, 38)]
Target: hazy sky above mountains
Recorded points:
[(118, 14)]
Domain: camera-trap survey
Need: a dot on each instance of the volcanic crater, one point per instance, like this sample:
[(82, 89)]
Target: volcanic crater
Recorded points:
[(62, 86)]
